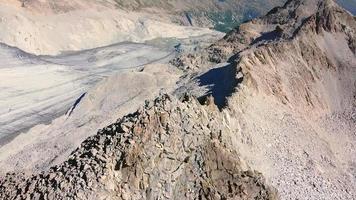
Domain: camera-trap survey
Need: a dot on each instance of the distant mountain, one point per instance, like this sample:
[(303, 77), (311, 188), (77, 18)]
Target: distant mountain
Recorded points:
[(223, 15), (52, 27)]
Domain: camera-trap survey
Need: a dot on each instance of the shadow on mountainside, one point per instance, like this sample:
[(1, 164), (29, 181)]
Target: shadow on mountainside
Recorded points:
[(220, 82), (269, 36)]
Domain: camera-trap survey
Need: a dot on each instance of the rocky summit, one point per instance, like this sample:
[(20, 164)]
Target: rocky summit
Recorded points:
[(266, 112)]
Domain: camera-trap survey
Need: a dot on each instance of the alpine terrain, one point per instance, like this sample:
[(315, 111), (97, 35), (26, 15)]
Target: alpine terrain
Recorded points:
[(150, 100)]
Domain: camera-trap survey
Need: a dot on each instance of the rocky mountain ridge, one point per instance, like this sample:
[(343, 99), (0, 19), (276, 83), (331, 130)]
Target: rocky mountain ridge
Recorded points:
[(295, 99), (288, 112), (156, 152)]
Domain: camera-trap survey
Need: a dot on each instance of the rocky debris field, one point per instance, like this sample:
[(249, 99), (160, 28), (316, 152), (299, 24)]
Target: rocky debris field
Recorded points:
[(167, 149), (299, 66), (274, 118)]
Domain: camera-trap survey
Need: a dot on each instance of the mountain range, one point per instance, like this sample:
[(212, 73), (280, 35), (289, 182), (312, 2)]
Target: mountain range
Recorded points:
[(268, 111)]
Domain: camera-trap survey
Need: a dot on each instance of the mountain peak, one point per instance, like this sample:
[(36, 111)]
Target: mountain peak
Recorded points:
[(295, 17)]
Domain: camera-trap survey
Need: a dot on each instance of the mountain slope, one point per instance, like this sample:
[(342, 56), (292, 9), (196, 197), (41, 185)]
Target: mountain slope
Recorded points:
[(38, 26), (295, 105), (52, 27), (297, 98), (53, 34), (222, 15), (314, 44), (282, 102), (153, 153)]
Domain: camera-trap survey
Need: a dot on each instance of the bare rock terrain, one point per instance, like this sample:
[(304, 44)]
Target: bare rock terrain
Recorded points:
[(167, 149), (267, 112), (293, 111)]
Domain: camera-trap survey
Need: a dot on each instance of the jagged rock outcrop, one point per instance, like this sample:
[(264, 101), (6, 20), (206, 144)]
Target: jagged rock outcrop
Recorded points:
[(290, 116), (168, 149), (294, 109)]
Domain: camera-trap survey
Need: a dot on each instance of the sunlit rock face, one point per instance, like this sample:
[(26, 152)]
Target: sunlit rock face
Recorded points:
[(266, 112)]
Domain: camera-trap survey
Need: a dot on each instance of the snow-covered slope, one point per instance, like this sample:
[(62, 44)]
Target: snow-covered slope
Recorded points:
[(35, 90), (113, 97)]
